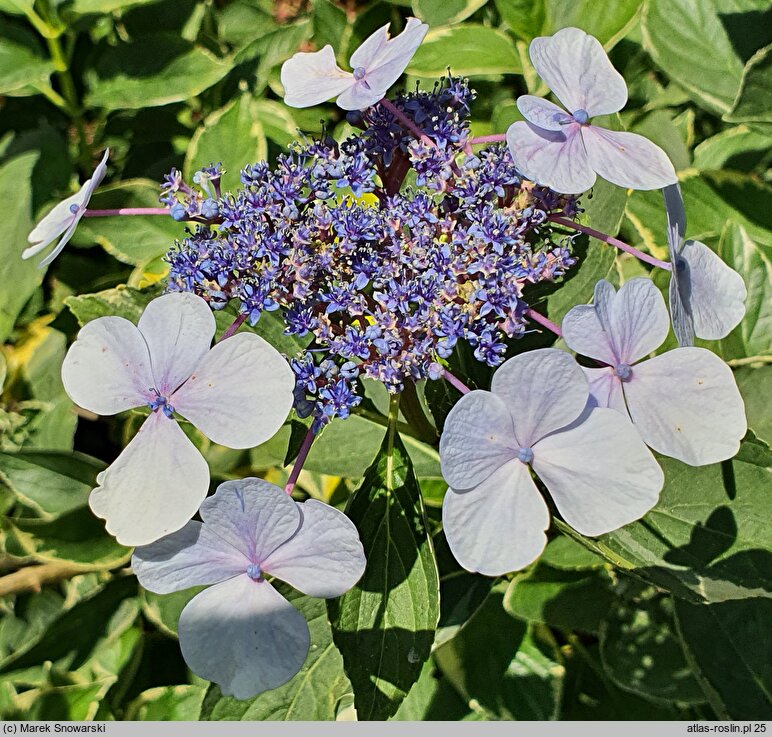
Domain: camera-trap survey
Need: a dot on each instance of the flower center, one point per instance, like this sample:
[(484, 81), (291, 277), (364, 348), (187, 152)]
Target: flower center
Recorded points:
[(680, 264), (525, 455), (359, 73), (581, 117), (255, 572), (160, 402), (624, 371), (74, 209)]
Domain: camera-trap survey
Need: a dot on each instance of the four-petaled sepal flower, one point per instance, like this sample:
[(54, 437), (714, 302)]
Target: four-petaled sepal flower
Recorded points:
[(560, 149), (313, 78), (598, 472), (707, 297), (237, 393), (241, 633), (684, 403), (64, 218)]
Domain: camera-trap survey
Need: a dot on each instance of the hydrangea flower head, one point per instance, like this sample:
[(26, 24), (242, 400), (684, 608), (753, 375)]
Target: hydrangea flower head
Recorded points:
[(560, 149), (237, 393), (312, 78), (241, 632), (598, 472), (64, 218), (684, 403), (707, 298)]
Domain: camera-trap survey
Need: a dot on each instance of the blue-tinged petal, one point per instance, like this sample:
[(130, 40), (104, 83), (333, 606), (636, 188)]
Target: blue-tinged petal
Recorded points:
[(252, 515), (627, 159), (324, 557), (543, 390), (107, 369), (478, 438), (577, 69), (239, 393), (178, 329), (154, 486), (599, 473), (192, 556), (685, 404), (542, 113), (680, 314), (713, 292), (499, 525), (312, 78), (606, 389), (584, 333), (244, 636), (635, 318), (554, 159)]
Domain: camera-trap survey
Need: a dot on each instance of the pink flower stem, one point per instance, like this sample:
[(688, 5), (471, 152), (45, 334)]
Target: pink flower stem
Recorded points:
[(544, 322), (299, 461), (456, 382), (409, 124), (233, 327), (495, 138), (126, 211), (621, 245)]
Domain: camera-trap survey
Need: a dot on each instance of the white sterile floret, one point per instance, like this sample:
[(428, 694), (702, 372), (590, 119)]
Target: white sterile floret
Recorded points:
[(312, 78), (560, 149), (241, 633), (707, 297), (598, 472), (684, 403), (237, 393), (64, 218)]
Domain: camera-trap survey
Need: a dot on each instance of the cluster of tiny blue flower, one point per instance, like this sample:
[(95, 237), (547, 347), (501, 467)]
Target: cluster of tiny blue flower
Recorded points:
[(386, 269)]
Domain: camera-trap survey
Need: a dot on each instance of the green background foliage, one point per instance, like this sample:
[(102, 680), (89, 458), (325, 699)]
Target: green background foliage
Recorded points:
[(667, 618)]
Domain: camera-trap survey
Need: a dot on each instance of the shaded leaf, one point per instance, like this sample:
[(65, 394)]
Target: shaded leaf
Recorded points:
[(384, 626)]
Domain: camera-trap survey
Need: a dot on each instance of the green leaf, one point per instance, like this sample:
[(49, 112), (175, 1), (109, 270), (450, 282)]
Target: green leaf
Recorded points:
[(164, 610), (753, 336), (122, 301), (710, 199), (159, 69), (569, 600), (641, 650), (232, 135), (608, 22), (18, 279), (21, 63), (755, 385), (85, 7), (343, 447), (134, 239), (384, 626), (501, 667), (460, 47), (76, 537), (445, 12), (49, 483), (314, 694), (72, 639), (708, 546), (432, 698), (681, 34), (167, 704), (738, 148), (728, 645), (754, 100), (524, 17), (16, 7), (566, 554)]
